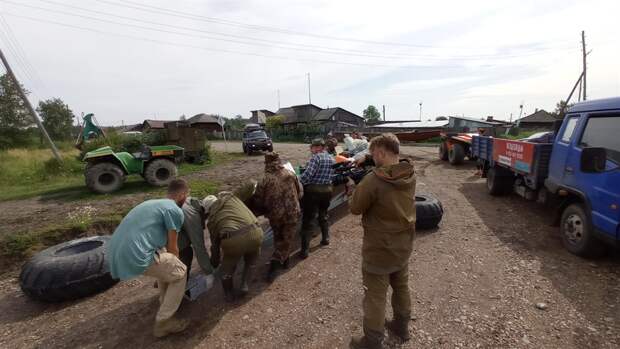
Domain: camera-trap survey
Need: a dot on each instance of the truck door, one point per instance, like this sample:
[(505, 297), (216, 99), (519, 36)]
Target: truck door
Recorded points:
[(602, 188), (558, 167)]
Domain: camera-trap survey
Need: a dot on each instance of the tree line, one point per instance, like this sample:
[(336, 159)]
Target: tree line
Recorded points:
[(17, 127)]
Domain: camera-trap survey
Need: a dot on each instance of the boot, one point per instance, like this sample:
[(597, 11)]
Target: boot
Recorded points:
[(305, 246), (169, 326), (285, 264), (273, 268), (370, 340), (227, 285), (324, 234), (400, 327), (245, 279)]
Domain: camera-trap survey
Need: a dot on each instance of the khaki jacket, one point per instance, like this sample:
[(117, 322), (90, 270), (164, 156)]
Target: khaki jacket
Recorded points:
[(386, 200)]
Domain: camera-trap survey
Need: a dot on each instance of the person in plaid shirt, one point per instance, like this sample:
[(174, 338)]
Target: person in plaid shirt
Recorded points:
[(317, 182)]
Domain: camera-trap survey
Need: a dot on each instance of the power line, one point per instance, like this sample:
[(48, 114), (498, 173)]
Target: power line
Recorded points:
[(253, 41)]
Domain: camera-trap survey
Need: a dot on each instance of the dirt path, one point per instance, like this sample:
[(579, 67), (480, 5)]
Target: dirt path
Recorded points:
[(475, 283)]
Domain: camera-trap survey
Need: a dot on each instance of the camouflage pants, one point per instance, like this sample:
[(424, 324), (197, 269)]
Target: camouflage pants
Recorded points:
[(375, 292), (283, 235)]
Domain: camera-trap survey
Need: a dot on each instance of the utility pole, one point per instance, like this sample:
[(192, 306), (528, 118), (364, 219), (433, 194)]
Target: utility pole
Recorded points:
[(420, 111), (30, 108), (309, 96), (384, 112), (278, 98), (584, 54)]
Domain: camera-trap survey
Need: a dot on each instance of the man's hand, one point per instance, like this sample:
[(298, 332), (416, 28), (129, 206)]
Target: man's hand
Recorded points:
[(349, 187)]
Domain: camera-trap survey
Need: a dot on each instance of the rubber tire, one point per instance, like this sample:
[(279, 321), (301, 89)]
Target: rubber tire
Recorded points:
[(443, 151), (93, 173), (590, 245), (244, 149), (456, 155), (429, 211), (150, 173), (51, 277), (498, 184)]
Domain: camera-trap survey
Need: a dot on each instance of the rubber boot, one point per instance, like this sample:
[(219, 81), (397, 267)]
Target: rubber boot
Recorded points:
[(227, 285), (324, 234), (370, 340), (245, 279), (400, 327), (169, 326), (305, 245), (273, 268)]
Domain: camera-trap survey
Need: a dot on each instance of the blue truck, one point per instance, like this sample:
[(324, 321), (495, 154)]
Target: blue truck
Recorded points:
[(577, 172)]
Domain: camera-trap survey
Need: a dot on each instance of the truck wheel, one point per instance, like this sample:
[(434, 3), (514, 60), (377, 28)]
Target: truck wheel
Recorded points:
[(68, 271), (104, 177), (443, 151), (456, 155), (428, 212), (577, 233), (160, 172), (498, 184)]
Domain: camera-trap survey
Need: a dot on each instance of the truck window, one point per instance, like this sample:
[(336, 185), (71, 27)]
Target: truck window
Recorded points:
[(603, 131), (570, 128)]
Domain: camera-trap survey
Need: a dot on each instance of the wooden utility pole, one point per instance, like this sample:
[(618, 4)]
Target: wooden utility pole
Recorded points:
[(309, 97), (384, 112), (29, 106), (278, 98), (584, 54)]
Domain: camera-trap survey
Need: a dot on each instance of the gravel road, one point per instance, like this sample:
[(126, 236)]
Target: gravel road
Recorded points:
[(494, 274)]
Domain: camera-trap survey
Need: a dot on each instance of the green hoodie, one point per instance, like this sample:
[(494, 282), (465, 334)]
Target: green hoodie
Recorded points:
[(386, 200)]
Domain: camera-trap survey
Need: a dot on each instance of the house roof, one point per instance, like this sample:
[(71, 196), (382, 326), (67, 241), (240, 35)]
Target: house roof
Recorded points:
[(203, 119), (263, 110), (155, 123), (540, 116), (327, 114), (482, 121)]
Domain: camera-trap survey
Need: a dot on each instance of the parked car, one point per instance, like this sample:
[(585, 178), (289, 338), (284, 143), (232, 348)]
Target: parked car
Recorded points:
[(256, 140)]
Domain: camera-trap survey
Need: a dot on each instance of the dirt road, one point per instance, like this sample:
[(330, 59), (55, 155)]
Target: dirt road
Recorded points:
[(476, 282)]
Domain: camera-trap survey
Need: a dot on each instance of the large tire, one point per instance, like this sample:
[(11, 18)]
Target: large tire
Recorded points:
[(429, 211), (160, 172), (456, 155), (443, 151), (104, 177), (499, 183), (577, 233), (68, 271)]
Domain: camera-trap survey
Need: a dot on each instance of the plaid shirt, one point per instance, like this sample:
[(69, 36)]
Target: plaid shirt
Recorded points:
[(319, 170)]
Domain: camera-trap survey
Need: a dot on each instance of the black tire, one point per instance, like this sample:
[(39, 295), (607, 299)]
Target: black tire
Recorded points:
[(577, 233), (244, 149), (68, 271), (456, 155), (428, 210), (160, 172), (498, 182), (104, 177), (443, 151)]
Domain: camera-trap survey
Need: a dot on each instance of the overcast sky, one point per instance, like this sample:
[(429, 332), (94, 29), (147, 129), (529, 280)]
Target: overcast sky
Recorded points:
[(130, 60)]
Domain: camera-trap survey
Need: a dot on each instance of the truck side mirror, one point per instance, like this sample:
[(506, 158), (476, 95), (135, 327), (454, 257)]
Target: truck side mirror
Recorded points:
[(593, 160)]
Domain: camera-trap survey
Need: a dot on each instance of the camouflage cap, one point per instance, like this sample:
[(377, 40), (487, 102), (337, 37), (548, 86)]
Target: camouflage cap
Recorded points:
[(272, 158), (318, 142)]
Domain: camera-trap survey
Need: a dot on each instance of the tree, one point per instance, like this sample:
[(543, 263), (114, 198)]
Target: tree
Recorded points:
[(371, 114), (274, 122), (57, 118), (561, 107), (14, 116)]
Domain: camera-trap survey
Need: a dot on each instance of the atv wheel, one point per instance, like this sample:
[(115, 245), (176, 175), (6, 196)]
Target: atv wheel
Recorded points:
[(68, 271), (160, 172), (443, 151), (428, 210), (104, 177), (456, 155)]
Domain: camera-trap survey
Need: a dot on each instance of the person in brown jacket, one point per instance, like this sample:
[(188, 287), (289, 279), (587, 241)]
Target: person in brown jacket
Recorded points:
[(386, 200)]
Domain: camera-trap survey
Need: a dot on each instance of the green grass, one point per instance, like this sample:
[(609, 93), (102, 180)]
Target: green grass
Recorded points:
[(34, 172), (522, 134)]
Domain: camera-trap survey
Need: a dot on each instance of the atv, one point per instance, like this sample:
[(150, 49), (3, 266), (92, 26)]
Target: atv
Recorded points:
[(106, 170)]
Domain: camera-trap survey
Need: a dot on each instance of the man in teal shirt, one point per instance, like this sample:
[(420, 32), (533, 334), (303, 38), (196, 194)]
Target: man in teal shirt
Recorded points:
[(145, 243)]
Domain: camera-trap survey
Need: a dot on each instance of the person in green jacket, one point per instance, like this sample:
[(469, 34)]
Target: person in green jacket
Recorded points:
[(386, 200), (235, 234), (191, 237)]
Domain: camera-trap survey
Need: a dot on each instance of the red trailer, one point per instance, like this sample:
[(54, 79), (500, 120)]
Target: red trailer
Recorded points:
[(455, 146)]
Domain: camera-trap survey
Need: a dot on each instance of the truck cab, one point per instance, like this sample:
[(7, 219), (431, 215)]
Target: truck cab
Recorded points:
[(584, 174)]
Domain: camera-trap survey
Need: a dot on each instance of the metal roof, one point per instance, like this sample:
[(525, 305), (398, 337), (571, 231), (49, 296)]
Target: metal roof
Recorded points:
[(416, 124), (540, 116)]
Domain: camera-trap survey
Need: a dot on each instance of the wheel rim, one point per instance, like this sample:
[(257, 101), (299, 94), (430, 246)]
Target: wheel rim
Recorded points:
[(106, 179), (162, 174), (573, 228)]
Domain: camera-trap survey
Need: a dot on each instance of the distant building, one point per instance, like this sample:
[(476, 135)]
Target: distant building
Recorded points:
[(260, 116), (328, 119), (148, 125), (206, 122), (464, 124), (539, 120)]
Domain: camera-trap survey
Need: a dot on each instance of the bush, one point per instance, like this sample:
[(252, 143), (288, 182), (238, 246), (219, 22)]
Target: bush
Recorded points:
[(124, 142)]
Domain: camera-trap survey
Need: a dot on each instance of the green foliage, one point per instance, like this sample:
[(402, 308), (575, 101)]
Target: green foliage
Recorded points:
[(236, 124), (14, 116), (57, 118), (124, 142), (561, 107), (371, 113), (274, 122)]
